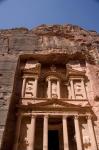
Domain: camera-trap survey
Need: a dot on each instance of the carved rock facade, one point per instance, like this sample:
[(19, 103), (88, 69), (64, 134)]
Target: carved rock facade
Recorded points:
[(49, 87)]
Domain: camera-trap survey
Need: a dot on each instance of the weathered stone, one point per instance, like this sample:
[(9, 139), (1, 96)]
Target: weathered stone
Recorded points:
[(65, 50)]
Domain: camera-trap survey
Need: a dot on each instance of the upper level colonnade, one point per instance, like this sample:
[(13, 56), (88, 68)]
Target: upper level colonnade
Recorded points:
[(52, 82)]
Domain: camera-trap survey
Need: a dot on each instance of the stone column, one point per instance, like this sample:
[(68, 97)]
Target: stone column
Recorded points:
[(77, 133), (45, 133), (65, 133), (23, 87), (83, 89), (58, 89), (72, 89), (49, 88), (17, 134), (32, 133), (35, 87), (91, 133)]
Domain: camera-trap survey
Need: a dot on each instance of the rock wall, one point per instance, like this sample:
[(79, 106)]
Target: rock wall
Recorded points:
[(71, 41), (67, 39)]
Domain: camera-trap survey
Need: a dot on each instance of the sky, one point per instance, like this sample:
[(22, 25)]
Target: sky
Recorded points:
[(32, 13)]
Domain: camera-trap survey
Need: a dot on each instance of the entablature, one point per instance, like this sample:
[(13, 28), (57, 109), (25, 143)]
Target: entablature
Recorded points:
[(55, 104)]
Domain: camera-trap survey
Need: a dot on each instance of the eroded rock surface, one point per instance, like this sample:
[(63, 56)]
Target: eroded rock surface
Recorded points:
[(67, 39), (46, 42)]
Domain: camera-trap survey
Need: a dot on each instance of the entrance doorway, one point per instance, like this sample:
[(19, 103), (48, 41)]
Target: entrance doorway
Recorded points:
[(53, 140), (71, 133)]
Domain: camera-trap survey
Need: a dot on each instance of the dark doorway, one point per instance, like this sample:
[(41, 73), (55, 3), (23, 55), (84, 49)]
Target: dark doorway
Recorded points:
[(53, 140), (71, 134)]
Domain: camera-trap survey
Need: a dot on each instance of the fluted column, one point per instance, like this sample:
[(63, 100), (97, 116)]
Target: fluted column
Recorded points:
[(35, 87), (31, 134), (91, 132), (58, 89), (17, 134), (45, 133), (65, 133), (72, 89), (49, 88), (83, 88), (77, 133), (23, 87)]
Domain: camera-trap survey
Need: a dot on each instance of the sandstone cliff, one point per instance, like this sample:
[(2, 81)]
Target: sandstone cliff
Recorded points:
[(68, 39), (71, 41)]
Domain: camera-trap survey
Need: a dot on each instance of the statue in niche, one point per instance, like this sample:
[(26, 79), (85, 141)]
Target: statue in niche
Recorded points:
[(78, 90), (29, 91), (53, 68), (54, 90)]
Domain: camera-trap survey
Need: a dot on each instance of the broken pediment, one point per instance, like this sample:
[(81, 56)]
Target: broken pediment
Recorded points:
[(75, 72), (31, 66)]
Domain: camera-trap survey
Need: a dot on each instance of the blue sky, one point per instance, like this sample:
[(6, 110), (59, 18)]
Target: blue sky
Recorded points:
[(32, 13)]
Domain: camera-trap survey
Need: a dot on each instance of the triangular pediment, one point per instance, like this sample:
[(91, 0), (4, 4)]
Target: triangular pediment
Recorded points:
[(55, 103)]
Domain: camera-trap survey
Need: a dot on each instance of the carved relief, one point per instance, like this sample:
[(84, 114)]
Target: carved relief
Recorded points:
[(69, 92), (53, 68), (87, 142), (29, 90), (77, 83), (54, 89), (78, 90)]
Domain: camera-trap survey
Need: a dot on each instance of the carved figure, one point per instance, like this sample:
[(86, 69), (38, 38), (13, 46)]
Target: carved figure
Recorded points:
[(29, 90), (87, 143), (53, 68), (78, 90), (69, 92), (54, 89), (77, 87)]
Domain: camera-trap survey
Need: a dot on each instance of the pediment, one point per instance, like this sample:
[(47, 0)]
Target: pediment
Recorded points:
[(55, 104), (35, 70), (31, 67), (75, 72)]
